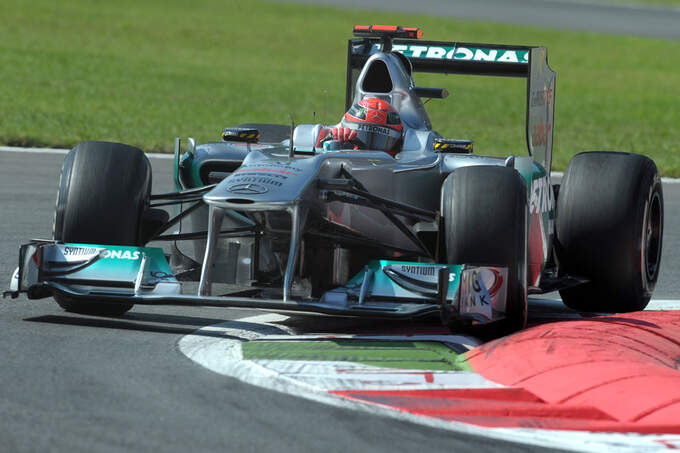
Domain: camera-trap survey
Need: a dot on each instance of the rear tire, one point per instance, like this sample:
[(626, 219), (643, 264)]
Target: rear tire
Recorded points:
[(103, 192), (609, 230), (485, 223)]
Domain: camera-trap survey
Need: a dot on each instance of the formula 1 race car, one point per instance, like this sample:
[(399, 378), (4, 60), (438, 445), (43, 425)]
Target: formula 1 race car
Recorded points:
[(266, 218)]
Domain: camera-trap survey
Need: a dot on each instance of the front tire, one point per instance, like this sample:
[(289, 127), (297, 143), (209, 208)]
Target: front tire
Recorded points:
[(485, 223), (609, 230), (103, 192)]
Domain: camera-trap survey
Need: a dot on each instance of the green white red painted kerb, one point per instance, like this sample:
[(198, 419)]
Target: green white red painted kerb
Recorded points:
[(429, 379)]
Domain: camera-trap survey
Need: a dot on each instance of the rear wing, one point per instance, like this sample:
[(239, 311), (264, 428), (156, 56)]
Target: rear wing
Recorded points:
[(476, 59)]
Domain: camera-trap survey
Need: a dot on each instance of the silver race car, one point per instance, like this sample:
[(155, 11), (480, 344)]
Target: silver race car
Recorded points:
[(378, 216)]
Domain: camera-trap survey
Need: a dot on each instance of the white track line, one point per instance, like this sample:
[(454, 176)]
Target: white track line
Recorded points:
[(17, 149), (661, 304), (559, 308)]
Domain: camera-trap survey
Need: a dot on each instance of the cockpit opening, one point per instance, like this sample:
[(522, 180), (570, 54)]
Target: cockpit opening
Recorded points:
[(377, 78)]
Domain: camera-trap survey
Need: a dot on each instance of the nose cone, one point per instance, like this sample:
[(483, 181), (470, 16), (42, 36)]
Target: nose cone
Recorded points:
[(264, 184)]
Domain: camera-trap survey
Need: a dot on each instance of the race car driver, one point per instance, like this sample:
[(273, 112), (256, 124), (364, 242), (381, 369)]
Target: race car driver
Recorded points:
[(370, 124)]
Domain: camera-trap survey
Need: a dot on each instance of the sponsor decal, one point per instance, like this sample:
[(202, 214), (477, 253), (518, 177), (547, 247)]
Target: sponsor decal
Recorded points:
[(255, 180), (424, 271), (418, 278), (247, 189), (479, 294), (542, 197), (376, 116), (262, 175), (122, 254), (462, 53), (419, 270), (272, 166), (540, 133), (68, 254), (541, 97), (483, 289), (272, 170), (79, 251), (373, 128)]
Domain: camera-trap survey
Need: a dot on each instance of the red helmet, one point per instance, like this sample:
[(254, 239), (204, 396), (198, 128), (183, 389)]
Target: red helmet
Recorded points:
[(377, 123)]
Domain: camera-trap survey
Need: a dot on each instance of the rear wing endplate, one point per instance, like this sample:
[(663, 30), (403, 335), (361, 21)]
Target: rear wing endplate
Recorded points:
[(476, 59)]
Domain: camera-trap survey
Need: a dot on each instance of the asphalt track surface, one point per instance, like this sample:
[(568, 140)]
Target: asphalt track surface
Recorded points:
[(657, 22), (78, 383)]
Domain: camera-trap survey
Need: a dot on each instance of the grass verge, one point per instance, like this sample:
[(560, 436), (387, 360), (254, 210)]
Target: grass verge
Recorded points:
[(144, 72)]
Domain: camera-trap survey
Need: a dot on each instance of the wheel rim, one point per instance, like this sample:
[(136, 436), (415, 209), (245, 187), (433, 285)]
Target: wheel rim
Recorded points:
[(651, 239)]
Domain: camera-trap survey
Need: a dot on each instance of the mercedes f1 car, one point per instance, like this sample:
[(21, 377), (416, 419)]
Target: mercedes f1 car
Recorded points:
[(266, 219)]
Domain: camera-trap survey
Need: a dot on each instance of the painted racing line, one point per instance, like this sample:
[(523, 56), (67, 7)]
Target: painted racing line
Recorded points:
[(596, 383)]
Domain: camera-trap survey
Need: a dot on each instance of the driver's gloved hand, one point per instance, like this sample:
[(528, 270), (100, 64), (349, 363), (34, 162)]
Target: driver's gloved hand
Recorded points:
[(340, 135), (343, 134)]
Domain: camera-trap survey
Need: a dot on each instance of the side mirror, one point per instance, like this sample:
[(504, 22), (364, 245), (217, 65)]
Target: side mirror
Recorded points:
[(449, 145), (240, 134)]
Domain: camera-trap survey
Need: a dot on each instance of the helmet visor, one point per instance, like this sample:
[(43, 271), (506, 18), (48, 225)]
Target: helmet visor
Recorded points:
[(374, 137)]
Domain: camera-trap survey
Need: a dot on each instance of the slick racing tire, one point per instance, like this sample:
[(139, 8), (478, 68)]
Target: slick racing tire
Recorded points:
[(485, 223), (104, 191), (609, 229)]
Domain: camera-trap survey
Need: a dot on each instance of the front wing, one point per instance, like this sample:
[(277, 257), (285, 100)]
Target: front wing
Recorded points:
[(141, 275)]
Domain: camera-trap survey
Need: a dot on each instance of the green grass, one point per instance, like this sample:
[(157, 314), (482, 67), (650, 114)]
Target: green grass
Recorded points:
[(145, 72)]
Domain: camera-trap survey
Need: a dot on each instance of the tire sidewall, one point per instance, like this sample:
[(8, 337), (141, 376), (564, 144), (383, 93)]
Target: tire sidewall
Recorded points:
[(62, 195), (647, 283)]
